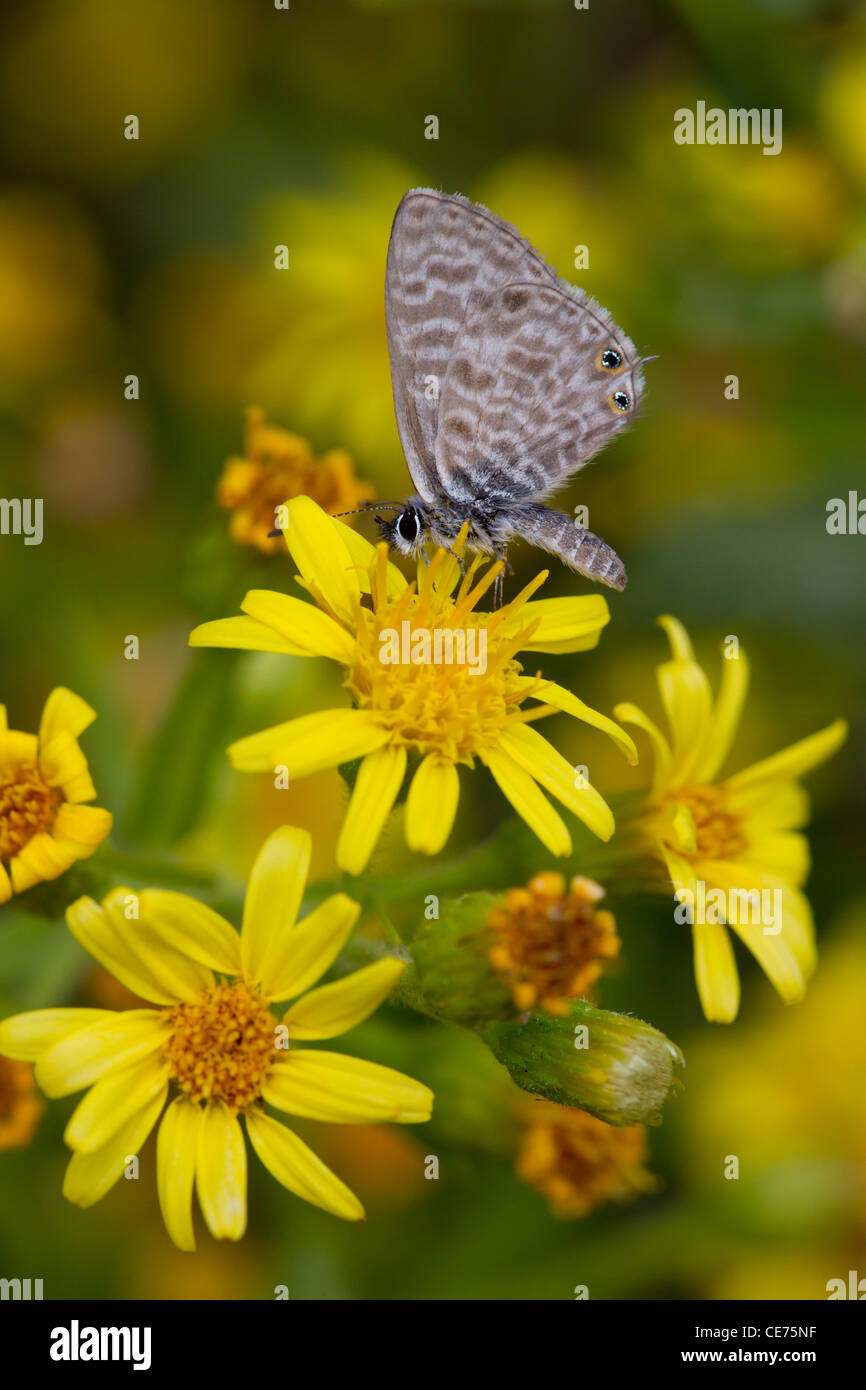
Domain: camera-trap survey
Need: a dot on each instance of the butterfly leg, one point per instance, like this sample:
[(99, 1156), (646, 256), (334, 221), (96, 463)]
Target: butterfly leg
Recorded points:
[(459, 558), (499, 582)]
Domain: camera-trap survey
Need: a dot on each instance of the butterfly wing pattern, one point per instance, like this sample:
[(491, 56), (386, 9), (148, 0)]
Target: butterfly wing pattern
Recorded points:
[(500, 387)]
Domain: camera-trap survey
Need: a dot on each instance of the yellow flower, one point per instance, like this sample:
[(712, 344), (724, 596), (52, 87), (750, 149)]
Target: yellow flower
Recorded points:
[(552, 940), (736, 837), (213, 1039), (280, 465), (578, 1162), (44, 781), (444, 713)]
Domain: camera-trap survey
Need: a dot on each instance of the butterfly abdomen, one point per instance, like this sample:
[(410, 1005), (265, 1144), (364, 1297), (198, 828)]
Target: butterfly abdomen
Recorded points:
[(578, 548)]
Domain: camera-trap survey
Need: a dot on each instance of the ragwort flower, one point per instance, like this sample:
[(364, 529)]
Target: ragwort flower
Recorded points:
[(738, 836), (213, 1040), (277, 465), (442, 713), (44, 782)]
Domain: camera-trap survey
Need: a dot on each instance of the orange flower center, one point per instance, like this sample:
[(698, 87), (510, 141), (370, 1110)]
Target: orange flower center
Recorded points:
[(27, 806), (718, 829), (222, 1046), (551, 943), (578, 1162)]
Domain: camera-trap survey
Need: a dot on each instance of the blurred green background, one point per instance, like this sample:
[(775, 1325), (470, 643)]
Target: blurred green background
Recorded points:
[(155, 257)]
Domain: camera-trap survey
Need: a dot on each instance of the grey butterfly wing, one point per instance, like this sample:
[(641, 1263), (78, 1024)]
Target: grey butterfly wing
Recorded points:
[(526, 401), (445, 257)]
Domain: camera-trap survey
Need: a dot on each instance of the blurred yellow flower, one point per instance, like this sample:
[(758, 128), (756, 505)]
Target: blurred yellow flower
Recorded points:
[(785, 1096), (577, 1161), (842, 103), (446, 712), (326, 360), (552, 940), (214, 1039), (278, 465), (44, 781), (735, 837), (50, 281), (21, 1106)]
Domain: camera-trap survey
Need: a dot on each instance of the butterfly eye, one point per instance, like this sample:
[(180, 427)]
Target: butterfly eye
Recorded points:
[(610, 360), (620, 401), (407, 526)]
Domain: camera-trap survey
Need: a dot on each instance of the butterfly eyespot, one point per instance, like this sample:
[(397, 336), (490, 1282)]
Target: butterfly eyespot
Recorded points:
[(620, 401), (610, 360)]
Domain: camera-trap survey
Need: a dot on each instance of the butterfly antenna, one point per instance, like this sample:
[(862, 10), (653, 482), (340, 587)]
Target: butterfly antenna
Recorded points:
[(368, 506)]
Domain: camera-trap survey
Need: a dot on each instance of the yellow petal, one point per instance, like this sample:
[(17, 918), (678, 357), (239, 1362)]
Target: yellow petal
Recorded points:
[(79, 787), (90, 1053), (64, 713), (529, 802), (726, 716), (88, 825), (379, 780), (112, 1102), (172, 972), (300, 622), (431, 805), (332, 1009), (795, 760), (682, 830), (685, 694), (662, 756), (294, 1165), (681, 873), (89, 1176), (26, 1036), (794, 915), (681, 647), (564, 624), (320, 553), (531, 751), (191, 929), (5, 886), (772, 950), (176, 1153), (785, 854), (17, 748), (310, 948), (93, 929), (799, 926), (716, 972), (61, 761), (345, 1090), (41, 858), (770, 806), (309, 744), (221, 1172), (274, 894), (560, 698), (243, 634), (363, 554)]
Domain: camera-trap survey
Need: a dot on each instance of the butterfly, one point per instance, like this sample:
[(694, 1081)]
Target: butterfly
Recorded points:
[(506, 381)]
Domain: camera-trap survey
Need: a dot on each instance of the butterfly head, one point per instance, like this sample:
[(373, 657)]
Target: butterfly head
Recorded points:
[(406, 532)]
